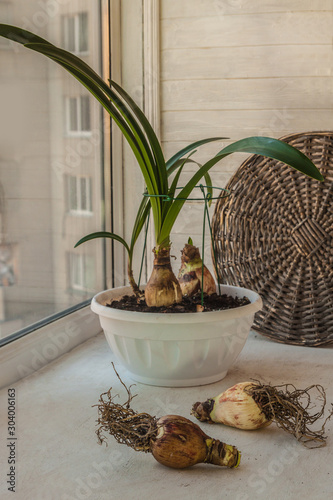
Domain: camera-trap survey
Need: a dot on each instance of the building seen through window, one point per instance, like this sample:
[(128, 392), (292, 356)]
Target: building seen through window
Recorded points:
[(51, 167)]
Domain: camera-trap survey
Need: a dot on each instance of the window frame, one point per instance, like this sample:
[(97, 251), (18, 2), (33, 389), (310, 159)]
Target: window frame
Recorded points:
[(50, 338), (27, 350)]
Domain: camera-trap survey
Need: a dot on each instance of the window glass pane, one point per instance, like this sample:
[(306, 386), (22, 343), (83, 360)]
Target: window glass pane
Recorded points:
[(70, 33), (83, 204), (89, 195), (47, 176), (83, 32), (85, 113), (89, 272), (73, 115), (5, 16), (72, 192)]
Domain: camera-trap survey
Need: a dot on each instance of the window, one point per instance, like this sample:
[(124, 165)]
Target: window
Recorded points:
[(75, 32), (78, 115), (6, 18), (81, 272), (79, 190), (46, 174)]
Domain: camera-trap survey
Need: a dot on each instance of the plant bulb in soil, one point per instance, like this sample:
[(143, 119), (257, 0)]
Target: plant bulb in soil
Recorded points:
[(190, 273), (162, 288), (252, 405)]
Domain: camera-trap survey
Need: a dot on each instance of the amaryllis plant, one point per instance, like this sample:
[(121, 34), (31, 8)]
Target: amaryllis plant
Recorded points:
[(163, 197)]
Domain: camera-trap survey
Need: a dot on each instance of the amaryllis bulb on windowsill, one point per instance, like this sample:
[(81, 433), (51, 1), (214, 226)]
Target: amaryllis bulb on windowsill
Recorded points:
[(173, 440), (190, 275), (253, 405)]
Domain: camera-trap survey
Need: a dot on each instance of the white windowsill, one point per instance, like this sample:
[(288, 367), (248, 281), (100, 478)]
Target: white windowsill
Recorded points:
[(38, 348), (58, 457)]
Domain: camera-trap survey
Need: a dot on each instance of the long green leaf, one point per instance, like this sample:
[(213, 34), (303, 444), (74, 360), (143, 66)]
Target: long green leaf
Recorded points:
[(122, 125), (179, 201), (189, 148), (153, 140), (69, 62), (265, 146), (103, 234), (98, 88), (140, 219), (20, 35), (26, 38), (72, 61), (277, 149), (43, 46), (171, 193)]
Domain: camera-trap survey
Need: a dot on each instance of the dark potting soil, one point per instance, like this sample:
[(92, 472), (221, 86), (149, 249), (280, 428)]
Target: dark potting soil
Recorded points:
[(212, 302)]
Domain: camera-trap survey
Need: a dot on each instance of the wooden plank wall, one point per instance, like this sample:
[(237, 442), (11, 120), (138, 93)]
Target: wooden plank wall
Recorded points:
[(237, 68)]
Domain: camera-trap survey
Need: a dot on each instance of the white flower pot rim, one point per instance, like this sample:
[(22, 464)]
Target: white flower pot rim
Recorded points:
[(98, 306)]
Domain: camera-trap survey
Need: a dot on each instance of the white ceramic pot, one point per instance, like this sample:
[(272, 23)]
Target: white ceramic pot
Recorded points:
[(176, 349)]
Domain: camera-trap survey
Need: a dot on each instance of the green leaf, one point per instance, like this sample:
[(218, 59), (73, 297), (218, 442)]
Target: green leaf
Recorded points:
[(179, 201), (190, 148), (94, 84), (265, 146), (103, 234), (72, 61), (171, 193), (155, 185), (140, 219), (153, 140), (20, 35), (277, 149)]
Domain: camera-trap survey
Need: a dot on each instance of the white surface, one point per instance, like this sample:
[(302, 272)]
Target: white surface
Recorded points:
[(58, 456), (177, 350), (35, 350), (240, 68)]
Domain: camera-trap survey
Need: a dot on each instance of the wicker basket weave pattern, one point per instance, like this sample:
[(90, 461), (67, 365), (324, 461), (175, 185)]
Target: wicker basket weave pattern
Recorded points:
[(274, 234)]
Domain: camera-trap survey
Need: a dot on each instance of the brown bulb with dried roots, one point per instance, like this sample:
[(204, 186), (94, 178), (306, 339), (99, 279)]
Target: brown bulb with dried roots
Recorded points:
[(174, 441)]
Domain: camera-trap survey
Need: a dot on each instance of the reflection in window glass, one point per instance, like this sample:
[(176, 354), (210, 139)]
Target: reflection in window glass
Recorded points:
[(73, 115), (85, 113), (75, 32), (79, 190), (50, 170), (78, 114), (81, 272), (83, 32)]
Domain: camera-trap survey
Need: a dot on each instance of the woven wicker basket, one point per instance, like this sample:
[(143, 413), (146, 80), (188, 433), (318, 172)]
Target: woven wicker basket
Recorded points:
[(274, 234)]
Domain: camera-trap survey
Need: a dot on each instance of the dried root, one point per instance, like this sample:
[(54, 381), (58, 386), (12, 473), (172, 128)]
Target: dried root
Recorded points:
[(123, 423), (290, 409)]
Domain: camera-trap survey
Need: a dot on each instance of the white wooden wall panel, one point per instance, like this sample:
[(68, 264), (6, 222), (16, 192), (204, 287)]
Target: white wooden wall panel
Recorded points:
[(235, 68), (302, 61), (201, 8), (243, 94), (244, 30)]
